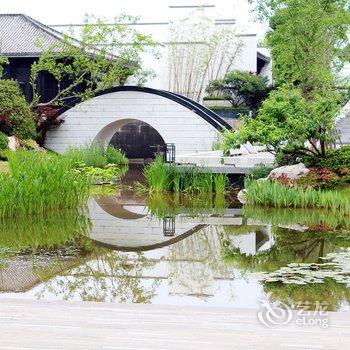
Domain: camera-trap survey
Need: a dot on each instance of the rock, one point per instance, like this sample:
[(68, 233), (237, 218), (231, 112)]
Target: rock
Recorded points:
[(14, 143), (241, 196), (290, 172)]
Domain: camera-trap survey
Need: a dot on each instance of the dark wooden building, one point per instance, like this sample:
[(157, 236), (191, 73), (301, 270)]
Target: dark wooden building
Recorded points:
[(22, 40)]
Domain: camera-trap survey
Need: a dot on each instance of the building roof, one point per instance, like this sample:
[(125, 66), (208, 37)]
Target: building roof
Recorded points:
[(263, 56), (20, 36)]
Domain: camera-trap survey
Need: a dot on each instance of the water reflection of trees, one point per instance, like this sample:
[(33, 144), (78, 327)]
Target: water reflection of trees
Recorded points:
[(196, 263), (299, 237), (105, 276), (330, 293)]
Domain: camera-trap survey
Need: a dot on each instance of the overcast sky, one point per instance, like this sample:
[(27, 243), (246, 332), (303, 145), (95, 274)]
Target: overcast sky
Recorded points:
[(73, 11)]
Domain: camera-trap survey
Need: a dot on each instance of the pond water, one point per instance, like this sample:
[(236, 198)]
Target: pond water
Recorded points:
[(187, 250)]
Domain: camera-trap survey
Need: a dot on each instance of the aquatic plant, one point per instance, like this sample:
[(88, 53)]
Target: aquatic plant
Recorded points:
[(220, 183), (39, 183), (334, 265), (95, 155), (158, 176), (163, 177), (108, 174), (329, 295), (275, 194)]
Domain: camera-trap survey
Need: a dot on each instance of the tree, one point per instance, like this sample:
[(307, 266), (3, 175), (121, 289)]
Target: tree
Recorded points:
[(309, 46), (16, 117), (3, 61), (241, 88), (289, 122), (308, 40), (200, 52), (105, 56)]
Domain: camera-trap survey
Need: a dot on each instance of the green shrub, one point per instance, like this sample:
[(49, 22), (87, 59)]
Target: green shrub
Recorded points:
[(4, 141), (259, 172), (30, 145), (115, 156), (336, 160), (16, 114), (275, 194), (39, 183), (95, 155)]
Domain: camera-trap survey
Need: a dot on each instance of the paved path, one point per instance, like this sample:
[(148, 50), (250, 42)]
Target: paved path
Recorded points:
[(78, 325)]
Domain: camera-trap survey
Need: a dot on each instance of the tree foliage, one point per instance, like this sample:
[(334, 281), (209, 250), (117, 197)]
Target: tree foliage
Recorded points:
[(308, 40), (288, 121), (16, 117), (105, 56), (241, 88), (4, 141), (309, 46), (3, 61)]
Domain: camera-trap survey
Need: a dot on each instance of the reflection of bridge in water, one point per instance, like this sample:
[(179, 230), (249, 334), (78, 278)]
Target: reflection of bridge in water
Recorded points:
[(180, 254), (128, 226)]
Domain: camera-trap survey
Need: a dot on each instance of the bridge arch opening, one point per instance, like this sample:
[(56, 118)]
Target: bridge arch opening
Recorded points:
[(136, 138)]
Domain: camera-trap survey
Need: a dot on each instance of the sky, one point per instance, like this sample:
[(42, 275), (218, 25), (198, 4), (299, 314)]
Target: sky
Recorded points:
[(73, 11)]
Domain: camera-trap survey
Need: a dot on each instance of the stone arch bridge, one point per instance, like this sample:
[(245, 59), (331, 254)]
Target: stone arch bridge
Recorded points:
[(178, 120)]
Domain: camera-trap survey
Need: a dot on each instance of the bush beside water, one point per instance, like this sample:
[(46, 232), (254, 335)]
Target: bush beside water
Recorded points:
[(4, 141), (336, 160)]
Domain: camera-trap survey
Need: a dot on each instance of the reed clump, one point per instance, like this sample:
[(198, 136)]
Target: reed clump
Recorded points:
[(163, 177), (95, 155), (275, 194), (38, 183)]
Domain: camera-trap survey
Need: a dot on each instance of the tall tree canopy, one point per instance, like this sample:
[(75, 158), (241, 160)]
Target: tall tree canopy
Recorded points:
[(309, 44), (308, 40)]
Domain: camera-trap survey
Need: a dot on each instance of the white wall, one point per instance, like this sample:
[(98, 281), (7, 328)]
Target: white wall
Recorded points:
[(246, 59)]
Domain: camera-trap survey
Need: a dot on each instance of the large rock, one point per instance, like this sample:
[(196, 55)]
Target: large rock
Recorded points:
[(290, 172), (242, 197), (14, 143)]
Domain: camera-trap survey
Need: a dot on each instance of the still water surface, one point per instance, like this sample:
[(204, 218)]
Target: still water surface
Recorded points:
[(200, 250)]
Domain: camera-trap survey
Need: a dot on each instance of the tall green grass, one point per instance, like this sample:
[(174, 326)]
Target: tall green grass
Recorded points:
[(95, 155), (274, 194), (163, 177), (38, 183)]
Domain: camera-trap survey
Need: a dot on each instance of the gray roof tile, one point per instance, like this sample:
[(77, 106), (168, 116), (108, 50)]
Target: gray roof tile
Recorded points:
[(20, 34)]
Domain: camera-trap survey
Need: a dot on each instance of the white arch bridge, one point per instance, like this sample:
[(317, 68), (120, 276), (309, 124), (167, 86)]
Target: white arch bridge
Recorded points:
[(179, 120)]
